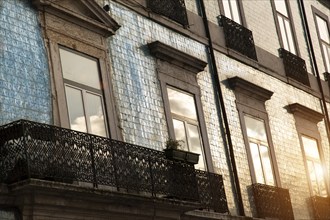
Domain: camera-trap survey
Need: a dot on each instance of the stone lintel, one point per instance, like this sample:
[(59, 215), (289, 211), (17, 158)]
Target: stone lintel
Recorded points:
[(177, 57)]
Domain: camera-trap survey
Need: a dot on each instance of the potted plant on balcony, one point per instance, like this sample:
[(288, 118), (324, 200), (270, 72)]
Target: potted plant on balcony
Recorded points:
[(174, 151)]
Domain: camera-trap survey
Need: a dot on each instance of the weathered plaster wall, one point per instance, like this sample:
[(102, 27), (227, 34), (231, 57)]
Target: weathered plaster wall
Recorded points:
[(24, 76)]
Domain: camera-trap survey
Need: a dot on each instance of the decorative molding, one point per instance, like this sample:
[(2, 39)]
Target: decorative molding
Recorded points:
[(174, 56), (85, 13), (249, 89), (306, 113)]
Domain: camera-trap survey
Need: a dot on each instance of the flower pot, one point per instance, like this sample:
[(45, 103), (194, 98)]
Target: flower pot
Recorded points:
[(181, 155)]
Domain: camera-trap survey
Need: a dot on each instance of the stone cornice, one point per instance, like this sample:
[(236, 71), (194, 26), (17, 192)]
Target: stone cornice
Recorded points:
[(306, 113), (174, 56), (249, 89)]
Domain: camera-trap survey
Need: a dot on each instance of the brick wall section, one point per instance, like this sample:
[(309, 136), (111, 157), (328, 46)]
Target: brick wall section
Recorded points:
[(24, 76)]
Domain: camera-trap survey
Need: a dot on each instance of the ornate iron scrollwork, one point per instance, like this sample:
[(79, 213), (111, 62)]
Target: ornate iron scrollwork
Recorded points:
[(238, 37), (294, 67), (173, 9), (34, 150), (272, 202)]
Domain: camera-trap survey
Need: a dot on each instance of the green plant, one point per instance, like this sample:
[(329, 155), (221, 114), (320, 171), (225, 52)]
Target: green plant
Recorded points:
[(174, 144)]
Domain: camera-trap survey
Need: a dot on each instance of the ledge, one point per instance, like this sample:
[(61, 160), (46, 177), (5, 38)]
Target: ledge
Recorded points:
[(174, 56), (66, 200), (306, 113), (249, 89)]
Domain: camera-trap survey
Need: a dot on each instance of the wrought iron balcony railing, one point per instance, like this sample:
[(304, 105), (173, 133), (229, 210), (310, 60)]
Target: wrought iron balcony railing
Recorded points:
[(34, 150), (173, 9), (321, 207), (238, 37), (294, 66), (272, 202)]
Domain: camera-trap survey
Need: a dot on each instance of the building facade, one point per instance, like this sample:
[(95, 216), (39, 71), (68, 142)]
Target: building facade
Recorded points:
[(91, 92)]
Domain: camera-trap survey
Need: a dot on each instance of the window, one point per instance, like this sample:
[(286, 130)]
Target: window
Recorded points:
[(232, 10), (182, 103), (306, 124), (185, 122), (324, 38), (259, 149), (250, 102), (75, 39), (314, 166), (284, 25), (84, 97)]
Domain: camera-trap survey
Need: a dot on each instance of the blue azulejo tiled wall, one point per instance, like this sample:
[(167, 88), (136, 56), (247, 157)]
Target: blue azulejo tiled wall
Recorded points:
[(24, 75)]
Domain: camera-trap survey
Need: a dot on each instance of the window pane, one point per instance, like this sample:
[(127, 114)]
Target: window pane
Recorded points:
[(255, 128), (290, 37), (268, 169), (256, 163), (235, 10), (75, 109), (310, 147), (80, 69), (182, 103), (95, 112), (326, 52), (323, 29), (320, 179), (180, 132), (227, 9), (281, 7), (196, 144), (312, 176), (283, 33)]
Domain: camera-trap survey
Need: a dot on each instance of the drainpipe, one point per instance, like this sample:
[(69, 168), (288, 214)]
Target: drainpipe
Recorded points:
[(314, 63), (218, 91)]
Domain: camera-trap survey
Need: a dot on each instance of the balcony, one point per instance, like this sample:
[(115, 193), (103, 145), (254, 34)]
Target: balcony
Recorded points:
[(294, 67), (321, 207), (39, 151), (238, 37), (272, 202), (172, 9)]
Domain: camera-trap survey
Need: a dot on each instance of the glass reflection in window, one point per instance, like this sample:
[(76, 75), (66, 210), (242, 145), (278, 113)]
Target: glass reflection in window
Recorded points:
[(323, 30), (283, 19), (185, 122), (231, 8), (84, 96), (315, 169), (76, 109), (259, 149)]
